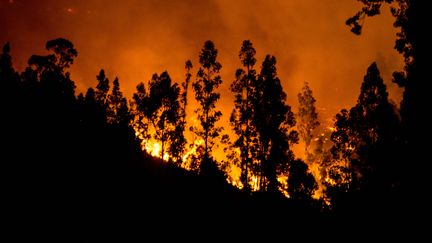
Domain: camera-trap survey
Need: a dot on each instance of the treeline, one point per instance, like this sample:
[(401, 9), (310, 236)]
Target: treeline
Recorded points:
[(49, 131), (100, 129)]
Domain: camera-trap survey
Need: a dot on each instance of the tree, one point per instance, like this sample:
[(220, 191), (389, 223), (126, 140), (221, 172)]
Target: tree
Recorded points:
[(185, 85), (118, 111), (10, 100), (52, 71), (366, 136), (178, 143), (274, 121), (64, 51), (208, 80), (308, 117), (8, 76), (378, 130), (241, 117), (139, 105), (163, 108), (301, 183), (102, 89), (9, 80), (413, 43), (6, 60), (49, 116)]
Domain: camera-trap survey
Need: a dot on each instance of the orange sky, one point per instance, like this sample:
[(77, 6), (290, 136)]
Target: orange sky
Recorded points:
[(133, 39)]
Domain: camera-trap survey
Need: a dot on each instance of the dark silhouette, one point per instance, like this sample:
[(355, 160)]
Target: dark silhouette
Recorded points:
[(301, 183), (366, 138), (412, 41), (205, 88), (160, 108), (139, 110), (102, 89), (164, 97), (244, 89), (9, 77), (118, 111), (274, 121), (85, 152), (178, 141)]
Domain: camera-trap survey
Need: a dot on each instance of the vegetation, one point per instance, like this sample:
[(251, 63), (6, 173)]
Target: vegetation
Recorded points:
[(58, 144)]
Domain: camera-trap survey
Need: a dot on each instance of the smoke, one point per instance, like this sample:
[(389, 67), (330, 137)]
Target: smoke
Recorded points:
[(133, 39)]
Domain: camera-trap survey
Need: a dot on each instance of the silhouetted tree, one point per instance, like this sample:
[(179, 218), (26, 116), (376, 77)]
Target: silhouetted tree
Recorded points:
[(90, 109), (413, 42), (118, 111), (185, 85), (301, 183), (366, 136), (339, 173), (9, 78), (178, 143), (241, 117), (64, 53), (6, 60), (208, 80), (308, 117), (9, 83), (274, 121), (48, 118), (51, 73), (11, 105), (164, 110), (102, 89), (139, 105)]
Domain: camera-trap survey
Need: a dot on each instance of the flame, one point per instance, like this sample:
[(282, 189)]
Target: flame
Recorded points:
[(154, 149), (314, 169), (193, 149)]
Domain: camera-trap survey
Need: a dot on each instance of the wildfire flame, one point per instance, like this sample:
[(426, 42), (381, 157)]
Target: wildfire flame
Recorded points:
[(153, 148)]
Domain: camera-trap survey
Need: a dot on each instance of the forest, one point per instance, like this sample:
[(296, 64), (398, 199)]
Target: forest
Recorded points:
[(102, 155)]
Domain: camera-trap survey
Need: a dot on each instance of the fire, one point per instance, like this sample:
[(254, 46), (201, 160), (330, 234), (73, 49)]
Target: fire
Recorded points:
[(314, 169), (192, 150), (154, 149)]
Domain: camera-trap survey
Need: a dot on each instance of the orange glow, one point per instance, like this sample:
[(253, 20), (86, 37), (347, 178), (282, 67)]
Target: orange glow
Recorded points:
[(309, 39), (154, 149)]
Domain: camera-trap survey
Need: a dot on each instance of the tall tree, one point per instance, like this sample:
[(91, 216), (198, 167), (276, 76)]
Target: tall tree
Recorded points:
[(102, 89), (9, 80), (366, 136), (185, 86), (53, 71), (178, 142), (308, 117), (413, 42), (64, 53), (6, 59), (8, 76), (241, 117), (139, 106), (274, 121), (163, 108), (10, 100), (205, 86), (48, 93), (118, 111)]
